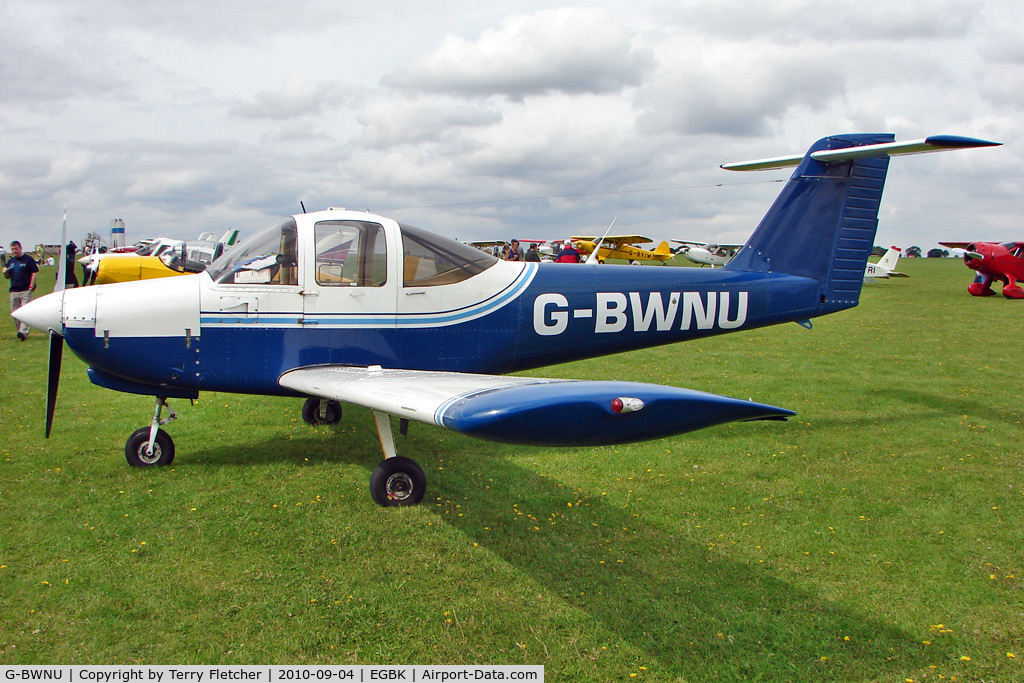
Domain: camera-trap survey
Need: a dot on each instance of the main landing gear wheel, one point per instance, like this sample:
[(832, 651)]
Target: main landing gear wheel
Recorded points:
[(315, 414), (135, 449), (397, 482)]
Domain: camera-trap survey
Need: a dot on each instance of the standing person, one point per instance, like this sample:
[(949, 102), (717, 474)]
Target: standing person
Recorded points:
[(70, 279), (568, 254), (21, 270), (515, 252), (532, 254)]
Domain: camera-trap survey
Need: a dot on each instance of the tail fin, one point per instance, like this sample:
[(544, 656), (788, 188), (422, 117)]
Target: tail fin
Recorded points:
[(822, 225), (663, 249), (890, 259)]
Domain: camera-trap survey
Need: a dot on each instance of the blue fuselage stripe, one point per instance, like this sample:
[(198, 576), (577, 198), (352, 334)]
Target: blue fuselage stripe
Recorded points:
[(562, 313)]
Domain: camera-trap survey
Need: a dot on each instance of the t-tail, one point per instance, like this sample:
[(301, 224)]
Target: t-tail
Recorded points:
[(822, 225), (890, 258)]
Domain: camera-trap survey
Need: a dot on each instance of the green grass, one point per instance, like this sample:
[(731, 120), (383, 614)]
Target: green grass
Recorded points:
[(876, 536)]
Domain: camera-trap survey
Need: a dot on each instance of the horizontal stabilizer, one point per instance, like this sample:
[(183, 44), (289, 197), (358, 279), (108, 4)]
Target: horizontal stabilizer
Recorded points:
[(935, 143), (525, 410)]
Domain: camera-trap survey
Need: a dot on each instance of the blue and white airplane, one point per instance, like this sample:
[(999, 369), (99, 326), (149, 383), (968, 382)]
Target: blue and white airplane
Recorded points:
[(347, 306)]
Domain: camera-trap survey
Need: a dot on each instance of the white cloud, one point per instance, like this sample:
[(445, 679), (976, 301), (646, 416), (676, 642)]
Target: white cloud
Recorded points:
[(730, 89), (400, 121), (297, 97), (568, 50)]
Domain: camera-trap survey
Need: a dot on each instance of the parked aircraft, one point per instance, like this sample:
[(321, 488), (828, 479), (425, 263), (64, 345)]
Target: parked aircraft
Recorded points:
[(162, 257), (708, 253), (885, 267), (622, 247), (420, 327), (993, 261)]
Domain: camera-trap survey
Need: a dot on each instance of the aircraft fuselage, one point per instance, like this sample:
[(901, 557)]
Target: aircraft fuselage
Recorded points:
[(187, 334)]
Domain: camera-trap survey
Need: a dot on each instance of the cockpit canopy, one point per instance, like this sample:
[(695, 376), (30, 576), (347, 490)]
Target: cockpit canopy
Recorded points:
[(347, 253)]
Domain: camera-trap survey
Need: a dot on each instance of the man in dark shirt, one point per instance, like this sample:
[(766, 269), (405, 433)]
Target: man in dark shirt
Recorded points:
[(21, 270)]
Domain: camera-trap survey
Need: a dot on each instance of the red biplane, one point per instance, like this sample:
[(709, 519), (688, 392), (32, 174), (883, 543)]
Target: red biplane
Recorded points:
[(994, 261)]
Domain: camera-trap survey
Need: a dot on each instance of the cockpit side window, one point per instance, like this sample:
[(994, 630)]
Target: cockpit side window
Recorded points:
[(268, 257), (432, 260), (350, 254)]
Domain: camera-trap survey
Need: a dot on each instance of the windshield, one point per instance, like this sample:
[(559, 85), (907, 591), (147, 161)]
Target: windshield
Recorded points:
[(432, 260), (267, 257), (172, 259)]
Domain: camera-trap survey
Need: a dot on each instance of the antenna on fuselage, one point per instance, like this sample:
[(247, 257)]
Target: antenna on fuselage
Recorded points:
[(303, 206)]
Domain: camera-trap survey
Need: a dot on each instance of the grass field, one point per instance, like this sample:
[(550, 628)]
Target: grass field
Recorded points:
[(877, 536)]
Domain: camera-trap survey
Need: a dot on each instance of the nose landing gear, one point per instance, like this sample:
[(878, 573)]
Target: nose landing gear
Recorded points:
[(151, 446)]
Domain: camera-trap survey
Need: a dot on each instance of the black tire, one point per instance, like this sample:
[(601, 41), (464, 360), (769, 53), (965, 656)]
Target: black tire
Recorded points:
[(311, 412), (135, 449), (397, 482)]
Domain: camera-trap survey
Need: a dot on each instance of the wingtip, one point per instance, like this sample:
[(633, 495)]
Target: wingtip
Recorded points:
[(959, 142)]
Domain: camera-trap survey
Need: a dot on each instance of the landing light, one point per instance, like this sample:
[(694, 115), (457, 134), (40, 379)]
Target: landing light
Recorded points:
[(626, 405)]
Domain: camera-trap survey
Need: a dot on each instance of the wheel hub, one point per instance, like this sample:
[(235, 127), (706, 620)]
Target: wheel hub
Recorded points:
[(399, 486), (149, 458)]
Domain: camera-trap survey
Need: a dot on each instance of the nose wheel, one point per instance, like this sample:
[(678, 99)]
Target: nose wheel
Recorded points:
[(139, 453), (151, 446), (317, 411)]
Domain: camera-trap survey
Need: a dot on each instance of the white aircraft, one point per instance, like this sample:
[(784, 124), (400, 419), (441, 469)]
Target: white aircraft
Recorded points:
[(708, 253), (885, 267)]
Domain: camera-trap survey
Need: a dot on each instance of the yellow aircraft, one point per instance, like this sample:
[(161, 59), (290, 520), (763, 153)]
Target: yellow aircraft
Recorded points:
[(162, 258), (621, 246)]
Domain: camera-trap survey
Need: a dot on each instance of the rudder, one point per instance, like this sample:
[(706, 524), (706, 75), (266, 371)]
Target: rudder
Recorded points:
[(822, 225)]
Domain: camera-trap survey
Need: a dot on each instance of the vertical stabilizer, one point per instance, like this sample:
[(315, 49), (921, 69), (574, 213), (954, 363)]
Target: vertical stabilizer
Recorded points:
[(890, 259), (822, 225)]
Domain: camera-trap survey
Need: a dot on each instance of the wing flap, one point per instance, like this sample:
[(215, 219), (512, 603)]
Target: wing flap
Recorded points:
[(524, 410)]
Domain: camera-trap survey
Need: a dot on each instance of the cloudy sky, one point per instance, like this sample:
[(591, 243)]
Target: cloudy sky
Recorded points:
[(525, 118)]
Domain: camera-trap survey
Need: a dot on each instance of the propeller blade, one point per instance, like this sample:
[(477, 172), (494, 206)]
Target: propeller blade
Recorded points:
[(973, 256), (53, 377), (56, 340), (63, 256)]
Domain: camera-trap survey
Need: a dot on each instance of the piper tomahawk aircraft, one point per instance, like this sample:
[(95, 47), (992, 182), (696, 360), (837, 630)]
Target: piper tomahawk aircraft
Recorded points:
[(886, 266), (346, 306)]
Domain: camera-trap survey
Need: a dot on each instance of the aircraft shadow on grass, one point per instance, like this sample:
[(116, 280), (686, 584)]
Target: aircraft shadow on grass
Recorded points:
[(694, 612), (697, 614), (926, 407)]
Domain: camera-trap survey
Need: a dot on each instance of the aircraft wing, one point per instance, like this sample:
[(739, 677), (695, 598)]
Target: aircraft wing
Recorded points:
[(707, 244), (964, 245), (527, 410), (616, 240)]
